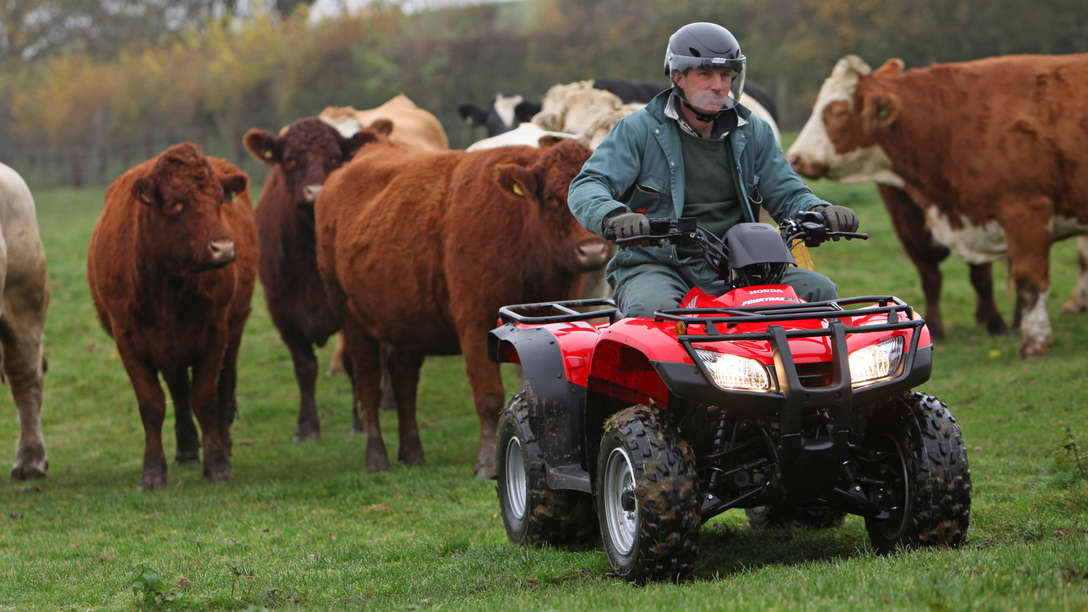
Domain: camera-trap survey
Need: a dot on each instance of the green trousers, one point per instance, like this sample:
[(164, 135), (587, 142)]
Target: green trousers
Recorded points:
[(650, 287)]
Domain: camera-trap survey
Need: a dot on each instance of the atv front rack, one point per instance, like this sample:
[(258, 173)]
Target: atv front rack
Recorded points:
[(830, 309), (521, 313), (789, 381)]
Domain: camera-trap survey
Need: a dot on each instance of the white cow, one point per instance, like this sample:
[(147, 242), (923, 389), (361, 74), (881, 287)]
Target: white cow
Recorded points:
[(25, 298), (527, 134)]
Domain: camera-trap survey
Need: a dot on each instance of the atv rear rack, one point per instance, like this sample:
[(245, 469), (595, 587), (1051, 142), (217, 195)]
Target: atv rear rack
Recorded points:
[(519, 313)]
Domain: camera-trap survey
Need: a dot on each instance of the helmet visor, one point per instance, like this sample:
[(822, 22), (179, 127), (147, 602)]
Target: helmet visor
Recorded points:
[(737, 69)]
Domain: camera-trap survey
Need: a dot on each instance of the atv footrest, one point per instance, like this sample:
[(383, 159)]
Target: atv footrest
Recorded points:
[(570, 476)]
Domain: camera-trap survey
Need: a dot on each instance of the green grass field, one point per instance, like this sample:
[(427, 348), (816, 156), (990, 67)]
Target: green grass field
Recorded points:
[(304, 525)]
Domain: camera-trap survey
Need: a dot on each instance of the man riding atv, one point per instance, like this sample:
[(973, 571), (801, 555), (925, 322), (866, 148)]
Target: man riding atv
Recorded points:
[(693, 151)]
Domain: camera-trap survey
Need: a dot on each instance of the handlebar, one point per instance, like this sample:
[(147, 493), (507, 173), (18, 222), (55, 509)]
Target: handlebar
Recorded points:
[(808, 226)]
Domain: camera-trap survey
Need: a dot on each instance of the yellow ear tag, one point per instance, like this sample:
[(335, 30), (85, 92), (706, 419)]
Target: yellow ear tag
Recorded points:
[(145, 198), (267, 154), (518, 190)]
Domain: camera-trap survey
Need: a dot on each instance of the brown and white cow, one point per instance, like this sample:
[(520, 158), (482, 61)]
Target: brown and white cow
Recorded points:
[(172, 267), (24, 299), (995, 151), (301, 157), (813, 155), (410, 124), (419, 249)]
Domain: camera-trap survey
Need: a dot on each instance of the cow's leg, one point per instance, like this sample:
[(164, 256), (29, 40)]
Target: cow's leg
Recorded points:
[(305, 362), (403, 377), (24, 365), (152, 403), (389, 395), (1024, 222), (188, 450), (986, 312), (909, 223), (205, 403), (1078, 301), (228, 386), (483, 375), (365, 354)]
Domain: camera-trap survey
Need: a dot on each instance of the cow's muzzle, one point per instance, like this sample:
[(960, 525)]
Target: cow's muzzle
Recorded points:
[(808, 169), (220, 253), (592, 254)]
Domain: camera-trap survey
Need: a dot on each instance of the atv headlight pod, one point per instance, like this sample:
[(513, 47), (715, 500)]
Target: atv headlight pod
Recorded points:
[(880, 360), (734, 372)]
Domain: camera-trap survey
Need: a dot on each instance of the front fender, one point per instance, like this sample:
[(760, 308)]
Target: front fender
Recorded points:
[(555, 365)]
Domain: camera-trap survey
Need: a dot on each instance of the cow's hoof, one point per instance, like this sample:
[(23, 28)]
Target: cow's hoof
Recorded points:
[(1072, 307), (485, 472), (29, 471), (152, 481), (306, 435), (377, 460), (187, 456), (412, 456), (1030, 351), (220, 473)]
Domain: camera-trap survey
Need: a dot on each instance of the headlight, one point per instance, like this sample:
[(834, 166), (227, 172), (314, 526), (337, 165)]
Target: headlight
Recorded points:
[(874, 362), (733, 372)]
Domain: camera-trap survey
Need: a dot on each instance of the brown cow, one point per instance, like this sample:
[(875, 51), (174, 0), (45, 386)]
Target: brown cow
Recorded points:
[(24, 298), (163, 282), (302, 157), (419, 249), (995, 151)]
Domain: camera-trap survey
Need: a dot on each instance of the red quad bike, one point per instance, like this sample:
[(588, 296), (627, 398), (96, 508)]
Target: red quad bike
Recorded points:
[(746, 397)]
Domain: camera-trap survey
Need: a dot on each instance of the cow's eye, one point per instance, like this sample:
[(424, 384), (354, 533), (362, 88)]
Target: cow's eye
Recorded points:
[(291, 164), (175, 208)]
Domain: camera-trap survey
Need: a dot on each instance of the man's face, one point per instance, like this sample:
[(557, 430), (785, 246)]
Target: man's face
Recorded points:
[(706, 87)]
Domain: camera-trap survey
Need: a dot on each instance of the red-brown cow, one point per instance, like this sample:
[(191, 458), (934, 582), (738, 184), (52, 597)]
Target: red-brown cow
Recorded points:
[(302, 157), (163, 282), (419, 249), (995, 151)]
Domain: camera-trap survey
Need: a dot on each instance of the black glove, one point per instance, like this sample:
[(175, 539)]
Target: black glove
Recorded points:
[(840, 218), (625, 225)]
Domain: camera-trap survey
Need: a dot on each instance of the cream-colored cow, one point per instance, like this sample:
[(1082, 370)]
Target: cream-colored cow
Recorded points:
[(25, 298)]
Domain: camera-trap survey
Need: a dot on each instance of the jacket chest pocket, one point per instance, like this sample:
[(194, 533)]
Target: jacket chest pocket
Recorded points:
[(644, 198)]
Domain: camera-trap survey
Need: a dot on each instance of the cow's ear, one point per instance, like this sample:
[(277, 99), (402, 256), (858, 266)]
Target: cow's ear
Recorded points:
[(144, 191), (525, 110), (233, 184), (472, 114), (549, 140), (381, 127), (892, 66), (879, 111), (518, 180), (263, 145), (548, 121), (349, 146)]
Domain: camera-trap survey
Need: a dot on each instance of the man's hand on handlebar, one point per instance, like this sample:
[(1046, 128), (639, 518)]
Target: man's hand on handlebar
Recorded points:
[(626, 225), (840, 218)]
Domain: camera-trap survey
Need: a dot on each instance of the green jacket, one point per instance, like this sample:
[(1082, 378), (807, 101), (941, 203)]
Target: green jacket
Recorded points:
[(639, 165)]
